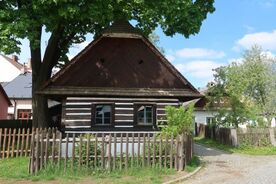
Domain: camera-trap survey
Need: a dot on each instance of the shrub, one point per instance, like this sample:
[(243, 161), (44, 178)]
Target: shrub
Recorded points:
[(180, 120)]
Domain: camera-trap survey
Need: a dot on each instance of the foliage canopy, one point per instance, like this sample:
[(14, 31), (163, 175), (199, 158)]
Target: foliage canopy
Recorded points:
[(248, 88)]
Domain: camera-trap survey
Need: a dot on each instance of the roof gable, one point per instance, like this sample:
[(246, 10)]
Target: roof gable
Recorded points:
[(120, 58)]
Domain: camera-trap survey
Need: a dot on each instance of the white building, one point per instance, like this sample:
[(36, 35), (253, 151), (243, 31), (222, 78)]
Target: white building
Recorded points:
[(10, 68), (19, 91)]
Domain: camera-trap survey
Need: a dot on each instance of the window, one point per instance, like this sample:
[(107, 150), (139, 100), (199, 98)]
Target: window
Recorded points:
[(24, 114), (103, 114), (209, 120), (145, 114)]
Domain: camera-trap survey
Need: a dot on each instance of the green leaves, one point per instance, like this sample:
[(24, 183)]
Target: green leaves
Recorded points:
[(179, 120), (247, 87)]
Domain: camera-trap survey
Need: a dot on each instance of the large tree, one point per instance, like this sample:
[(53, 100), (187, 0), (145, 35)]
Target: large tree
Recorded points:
[(68, 21), (248, 88)]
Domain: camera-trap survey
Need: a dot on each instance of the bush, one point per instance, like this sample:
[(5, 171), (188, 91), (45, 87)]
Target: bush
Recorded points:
[(180, 120)]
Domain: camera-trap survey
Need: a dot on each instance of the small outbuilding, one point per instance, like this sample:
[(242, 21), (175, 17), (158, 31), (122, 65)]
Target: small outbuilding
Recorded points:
[(4, 103), (119, 82)]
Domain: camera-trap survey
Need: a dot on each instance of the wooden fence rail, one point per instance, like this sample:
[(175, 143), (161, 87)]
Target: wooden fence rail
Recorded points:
[(15, 142), (109, 151)]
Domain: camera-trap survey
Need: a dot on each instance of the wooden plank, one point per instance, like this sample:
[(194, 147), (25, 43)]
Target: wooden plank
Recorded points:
[(160, 151), (138, 148), (53, 144), (27, 143), (102, 151), (154, 151), (31, 166), (9, 142), (66, 153), (109, 152), (73, 151), (18, 142), (4, 143), (166, 153), (59, 148), (41, 148), (181, 153), (148, 150), (144, 150), (87, 150), (171, 152), (0, 141), (176, 155), (126, 159), (46, 147), (22, 142), (80, 152), (115, 151), (95, 151), (132, 152), (13, 141), (121, 151), (36, 147)]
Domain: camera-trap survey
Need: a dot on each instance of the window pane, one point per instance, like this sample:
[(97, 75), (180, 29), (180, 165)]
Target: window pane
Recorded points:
[(103, 114), (145, 114)]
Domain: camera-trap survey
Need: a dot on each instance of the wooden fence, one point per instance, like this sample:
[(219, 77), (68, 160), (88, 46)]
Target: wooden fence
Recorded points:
[(108, 151), (15, 142), (239, 136)]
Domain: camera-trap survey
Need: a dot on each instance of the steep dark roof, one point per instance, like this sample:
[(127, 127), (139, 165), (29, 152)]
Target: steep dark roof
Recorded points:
[(20, 87), (120, 58), (5, 95)]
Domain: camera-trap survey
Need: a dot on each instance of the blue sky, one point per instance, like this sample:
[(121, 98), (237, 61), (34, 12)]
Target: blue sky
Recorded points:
[(236, 25)]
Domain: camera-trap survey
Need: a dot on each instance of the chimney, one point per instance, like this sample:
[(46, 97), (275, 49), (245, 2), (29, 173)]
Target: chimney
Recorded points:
[(29, 64), (15, 58)]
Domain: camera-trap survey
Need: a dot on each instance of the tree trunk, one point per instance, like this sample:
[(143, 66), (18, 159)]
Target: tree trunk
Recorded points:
[(41, 118)]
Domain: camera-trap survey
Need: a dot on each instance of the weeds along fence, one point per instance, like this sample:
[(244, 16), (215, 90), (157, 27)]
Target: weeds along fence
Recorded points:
[(108, 151), (15, 142)]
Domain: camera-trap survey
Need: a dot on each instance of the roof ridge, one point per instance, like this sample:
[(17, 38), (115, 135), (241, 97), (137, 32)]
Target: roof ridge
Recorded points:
[(14, 63)]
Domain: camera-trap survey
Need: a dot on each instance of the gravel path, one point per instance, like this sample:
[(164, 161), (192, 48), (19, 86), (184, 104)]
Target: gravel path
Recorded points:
[(224, 168)]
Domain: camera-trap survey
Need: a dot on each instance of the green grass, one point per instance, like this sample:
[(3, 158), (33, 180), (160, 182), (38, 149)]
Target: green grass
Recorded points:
[(243, 149), (193, 164), (17, 169)]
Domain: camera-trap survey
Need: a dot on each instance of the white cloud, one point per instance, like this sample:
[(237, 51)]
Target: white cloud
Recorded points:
[(201, 69), (199, 53), (267, 40)]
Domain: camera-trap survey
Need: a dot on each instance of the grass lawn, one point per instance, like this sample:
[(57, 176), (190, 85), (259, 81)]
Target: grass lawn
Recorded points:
[(13, 170), (244, 149)]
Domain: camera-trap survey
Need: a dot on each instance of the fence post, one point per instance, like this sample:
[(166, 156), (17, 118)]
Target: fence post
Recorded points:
[(272, 136), (31, 164), (181, 153), (234, 137)]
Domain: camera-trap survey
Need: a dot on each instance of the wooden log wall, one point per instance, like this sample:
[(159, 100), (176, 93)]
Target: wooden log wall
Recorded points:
[(77, 110), (111, 151)]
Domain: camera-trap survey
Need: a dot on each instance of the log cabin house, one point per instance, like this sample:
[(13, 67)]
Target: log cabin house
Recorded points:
[(119, 82)]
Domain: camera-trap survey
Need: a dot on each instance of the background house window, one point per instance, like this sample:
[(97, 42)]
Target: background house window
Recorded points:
[(145, 114), (103, 114), (24, 114)]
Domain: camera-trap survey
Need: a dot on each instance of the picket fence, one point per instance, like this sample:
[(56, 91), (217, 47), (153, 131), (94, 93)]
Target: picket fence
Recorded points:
[(15, 142), (108, 151)]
